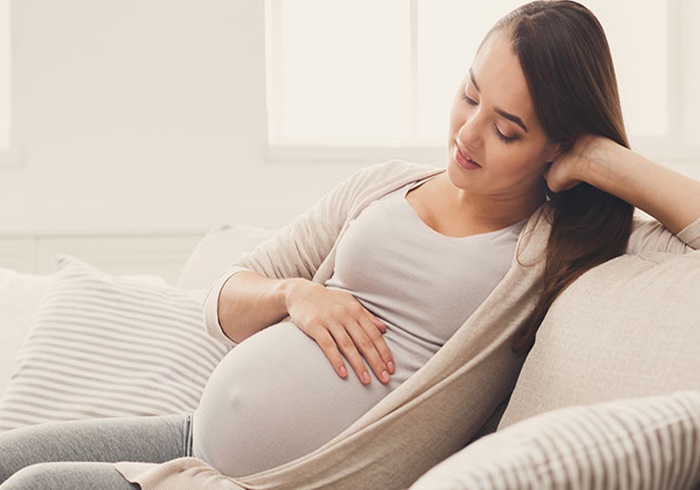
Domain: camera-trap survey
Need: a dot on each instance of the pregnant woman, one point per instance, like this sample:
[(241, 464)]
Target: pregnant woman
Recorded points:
[(399, 290), (350, 305)]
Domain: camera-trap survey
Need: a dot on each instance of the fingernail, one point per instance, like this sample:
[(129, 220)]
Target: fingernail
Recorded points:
[(385, 377), (343, 372), (391, 366), (365, 377)]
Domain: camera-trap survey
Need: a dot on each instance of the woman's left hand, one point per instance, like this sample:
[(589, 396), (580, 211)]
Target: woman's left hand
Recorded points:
[(668, 196), (571, 167)]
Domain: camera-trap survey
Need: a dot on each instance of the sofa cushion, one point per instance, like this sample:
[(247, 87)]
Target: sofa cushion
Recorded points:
[(639, 443), (630, 327), (103, 346), (217, 251)]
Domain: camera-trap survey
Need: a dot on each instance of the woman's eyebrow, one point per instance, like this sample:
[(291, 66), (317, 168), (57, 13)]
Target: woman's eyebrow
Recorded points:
[(513, 118), (507, 115)]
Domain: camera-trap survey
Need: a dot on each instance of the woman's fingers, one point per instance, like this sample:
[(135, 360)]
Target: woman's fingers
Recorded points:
[(360, 348), (374, 330), (343, 329), (348, 348), (328, 345)]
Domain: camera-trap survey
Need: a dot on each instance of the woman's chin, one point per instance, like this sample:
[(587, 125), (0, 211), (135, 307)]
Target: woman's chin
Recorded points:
[(457, 176)]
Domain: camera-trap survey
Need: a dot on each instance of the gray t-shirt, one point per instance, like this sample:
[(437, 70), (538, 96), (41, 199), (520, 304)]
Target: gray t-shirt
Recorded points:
[(275, 397)]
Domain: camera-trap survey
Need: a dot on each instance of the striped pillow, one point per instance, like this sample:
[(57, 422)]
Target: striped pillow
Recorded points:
[(105, 346), (650, 443)]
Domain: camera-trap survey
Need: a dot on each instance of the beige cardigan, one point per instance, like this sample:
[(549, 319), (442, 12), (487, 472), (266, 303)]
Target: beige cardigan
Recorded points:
[(443, 405)]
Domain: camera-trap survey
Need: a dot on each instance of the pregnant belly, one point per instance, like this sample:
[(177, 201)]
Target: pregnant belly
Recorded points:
[(274, 398)]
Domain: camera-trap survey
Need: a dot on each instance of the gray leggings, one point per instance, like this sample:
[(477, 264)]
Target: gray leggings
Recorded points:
[(77, 455)]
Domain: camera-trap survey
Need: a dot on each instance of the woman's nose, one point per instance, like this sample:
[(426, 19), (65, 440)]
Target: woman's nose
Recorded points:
[(470, 132)]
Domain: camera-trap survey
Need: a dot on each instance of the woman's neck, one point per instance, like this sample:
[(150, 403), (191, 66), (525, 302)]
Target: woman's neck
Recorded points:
[(455, 212), (492, 212)]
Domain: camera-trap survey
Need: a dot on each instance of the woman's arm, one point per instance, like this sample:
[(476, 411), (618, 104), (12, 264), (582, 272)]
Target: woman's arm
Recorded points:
[(339, 324), (301, 250), (249, 302), (673, 199)]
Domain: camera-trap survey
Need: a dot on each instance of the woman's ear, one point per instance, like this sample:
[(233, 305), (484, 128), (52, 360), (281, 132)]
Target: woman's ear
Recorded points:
[(556, 149)]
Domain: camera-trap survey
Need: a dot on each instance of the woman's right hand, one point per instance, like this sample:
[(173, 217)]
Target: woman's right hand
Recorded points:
[(342, 327)]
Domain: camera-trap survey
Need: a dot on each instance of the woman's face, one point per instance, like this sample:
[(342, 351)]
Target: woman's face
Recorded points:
[(497, 146)]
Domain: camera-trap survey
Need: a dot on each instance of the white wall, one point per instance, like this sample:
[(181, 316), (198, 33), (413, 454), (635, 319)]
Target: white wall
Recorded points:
[(145, 115)]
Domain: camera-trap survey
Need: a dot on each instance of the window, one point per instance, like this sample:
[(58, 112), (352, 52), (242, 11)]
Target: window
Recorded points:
[(4, 76), (333, 81), (365, 75), (690, 63)]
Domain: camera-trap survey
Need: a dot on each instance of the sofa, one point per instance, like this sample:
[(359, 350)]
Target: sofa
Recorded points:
[(609, 397)]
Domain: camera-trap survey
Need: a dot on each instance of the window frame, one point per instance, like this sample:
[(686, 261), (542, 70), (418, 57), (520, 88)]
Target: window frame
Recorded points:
[(672, 147), (10, 156), (668, 149)]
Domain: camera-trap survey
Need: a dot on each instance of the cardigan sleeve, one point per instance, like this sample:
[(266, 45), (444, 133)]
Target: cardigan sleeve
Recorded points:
[(299, 248), (648, 235)]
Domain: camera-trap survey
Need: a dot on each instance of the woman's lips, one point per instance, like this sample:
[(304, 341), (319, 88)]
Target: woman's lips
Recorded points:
[(464, 161)]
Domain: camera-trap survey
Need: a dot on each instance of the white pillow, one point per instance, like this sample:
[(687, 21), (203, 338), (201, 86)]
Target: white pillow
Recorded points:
[(648, 443), (20, 295), (103, 346)]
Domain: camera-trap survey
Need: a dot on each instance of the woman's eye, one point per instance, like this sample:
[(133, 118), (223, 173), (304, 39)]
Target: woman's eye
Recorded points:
[(503, 137), (469, 100)]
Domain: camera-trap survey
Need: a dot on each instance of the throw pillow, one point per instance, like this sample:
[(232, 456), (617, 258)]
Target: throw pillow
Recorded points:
[(105, 346), (648, 443)]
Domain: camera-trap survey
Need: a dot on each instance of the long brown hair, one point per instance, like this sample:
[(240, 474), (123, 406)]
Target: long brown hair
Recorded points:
[(566, 60)]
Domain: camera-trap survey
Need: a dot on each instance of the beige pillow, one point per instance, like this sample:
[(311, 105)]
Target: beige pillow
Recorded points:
[(628, 328)]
